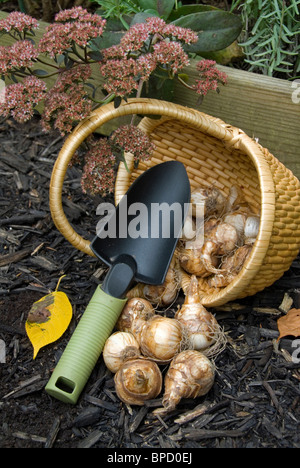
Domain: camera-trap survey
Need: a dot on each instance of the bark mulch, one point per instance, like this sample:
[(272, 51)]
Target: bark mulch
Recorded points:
[(254, 402)]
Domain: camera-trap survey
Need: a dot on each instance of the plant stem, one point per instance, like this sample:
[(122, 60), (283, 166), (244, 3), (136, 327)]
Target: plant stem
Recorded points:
[(48, 75), (138, 95), (48, 64), (183, 82), (22, 6), (108, 99)]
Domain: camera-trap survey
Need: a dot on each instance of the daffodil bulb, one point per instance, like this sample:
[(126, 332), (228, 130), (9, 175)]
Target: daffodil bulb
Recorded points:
[(251, 229), (207, 201), (200, 325), (235, 199), (231, 266), (221, 240), (237, 219), (191, 260), (161, 338), (118, 348), (159, 295), (225, 237), (134, 315), (190, 375), (138, 380)]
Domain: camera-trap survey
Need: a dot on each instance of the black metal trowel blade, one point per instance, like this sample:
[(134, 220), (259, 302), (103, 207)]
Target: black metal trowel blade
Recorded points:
[(144, 228)]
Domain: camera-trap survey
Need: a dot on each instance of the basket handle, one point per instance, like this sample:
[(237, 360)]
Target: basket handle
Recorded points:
[(98, 118)]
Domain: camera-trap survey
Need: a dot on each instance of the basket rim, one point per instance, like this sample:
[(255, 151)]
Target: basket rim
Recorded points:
[(233, 138)]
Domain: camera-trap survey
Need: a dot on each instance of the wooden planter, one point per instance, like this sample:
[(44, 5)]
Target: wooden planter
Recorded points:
[(263, 107)]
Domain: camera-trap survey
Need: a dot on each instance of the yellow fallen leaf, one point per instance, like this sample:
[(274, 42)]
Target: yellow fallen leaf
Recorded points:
[(289, 324), (48, 319)]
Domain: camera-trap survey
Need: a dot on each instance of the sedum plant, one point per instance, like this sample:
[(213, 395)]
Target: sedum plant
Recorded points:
[(216, 28), (69, 48), (271, 36)]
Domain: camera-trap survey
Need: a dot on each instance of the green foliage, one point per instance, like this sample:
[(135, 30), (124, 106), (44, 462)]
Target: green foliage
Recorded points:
[(216, 29), (117, 10), (20, 3), (270, 38)]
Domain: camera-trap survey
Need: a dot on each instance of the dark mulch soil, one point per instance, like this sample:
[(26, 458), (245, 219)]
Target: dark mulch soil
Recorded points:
[(255, 398)]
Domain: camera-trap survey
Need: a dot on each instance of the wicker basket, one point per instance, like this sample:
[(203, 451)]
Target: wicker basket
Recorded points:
[(213, 153)]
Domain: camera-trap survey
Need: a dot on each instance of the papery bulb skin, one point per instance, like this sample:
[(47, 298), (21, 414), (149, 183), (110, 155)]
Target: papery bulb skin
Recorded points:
[(237, 219), (134, 315), (210, 224), (211, 200), (135, 308), (251, 229), (235, 199), (161, 338), (118, 348), (191, 257), (160, 295), (192, 294), (165, 294), (190, 375), (231, 267), (200, 325), (221, 280), (191, 260), (138, 380), (225, 237), (221, 240)]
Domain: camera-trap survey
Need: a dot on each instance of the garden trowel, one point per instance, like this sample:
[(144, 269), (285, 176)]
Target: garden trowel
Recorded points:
[(137, 241)]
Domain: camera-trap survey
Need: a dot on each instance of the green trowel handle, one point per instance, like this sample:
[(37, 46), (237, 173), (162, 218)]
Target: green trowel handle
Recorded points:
[(85, 347)]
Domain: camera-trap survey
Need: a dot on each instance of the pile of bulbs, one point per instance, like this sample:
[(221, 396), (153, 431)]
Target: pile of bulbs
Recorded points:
[(146, 340), (229, 229), (188, 342), (226, 233)]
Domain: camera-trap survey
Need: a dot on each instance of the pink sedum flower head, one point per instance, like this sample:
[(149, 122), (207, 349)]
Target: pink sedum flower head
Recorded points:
[(21, 98), (80, 15), (71, 26), (157, 26), (185, 35), (67, 102), (20, 54), (171, 54), (120, 76), (64, 110), (69, 78), (98, 171), (210, 77), (143, 48), (138, 34), (100, 160), (19, 22), (132, 140)]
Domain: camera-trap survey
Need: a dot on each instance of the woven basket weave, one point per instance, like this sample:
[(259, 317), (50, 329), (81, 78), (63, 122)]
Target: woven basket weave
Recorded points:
[(213, 153)]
